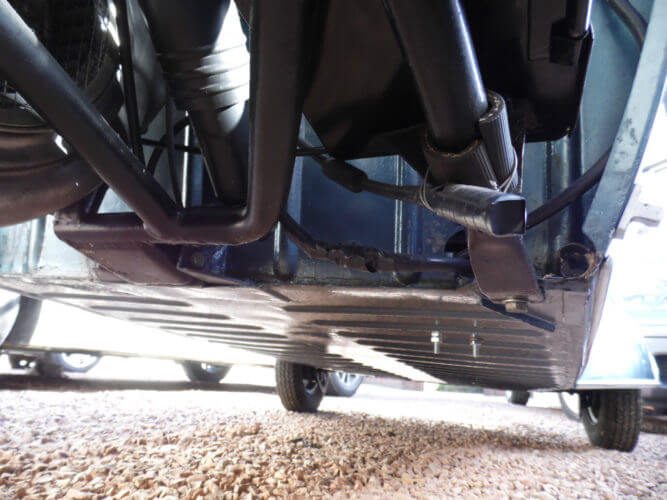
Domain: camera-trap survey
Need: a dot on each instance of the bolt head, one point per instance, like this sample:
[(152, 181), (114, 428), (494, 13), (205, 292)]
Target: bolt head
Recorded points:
[(197, 259), (516, 306)]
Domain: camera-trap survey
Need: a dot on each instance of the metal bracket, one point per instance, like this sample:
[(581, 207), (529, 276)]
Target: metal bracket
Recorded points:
[(502, 267)]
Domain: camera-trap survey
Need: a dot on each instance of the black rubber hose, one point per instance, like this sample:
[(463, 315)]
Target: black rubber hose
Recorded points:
[(637, 26), (632, 19), (570, 194), (203, 53), (489, 211)]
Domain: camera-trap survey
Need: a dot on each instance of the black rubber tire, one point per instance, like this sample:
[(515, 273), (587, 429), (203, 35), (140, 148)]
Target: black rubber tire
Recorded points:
[(60, 359), (517, 397), (56, 364), (338, 387), (612, 418), (48, 368), (294, 393), (204, 372)]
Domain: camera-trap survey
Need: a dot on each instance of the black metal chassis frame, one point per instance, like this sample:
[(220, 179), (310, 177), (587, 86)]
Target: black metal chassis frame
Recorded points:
[(280, 52), (281, 46), (562, 314)]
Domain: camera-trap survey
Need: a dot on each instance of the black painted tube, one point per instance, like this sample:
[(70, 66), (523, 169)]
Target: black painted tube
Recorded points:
[(203, 54), (436, 42), (129, 87), (578, 15)]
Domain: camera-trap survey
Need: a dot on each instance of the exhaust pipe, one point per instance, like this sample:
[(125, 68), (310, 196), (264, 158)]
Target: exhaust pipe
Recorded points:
[(202, 50)]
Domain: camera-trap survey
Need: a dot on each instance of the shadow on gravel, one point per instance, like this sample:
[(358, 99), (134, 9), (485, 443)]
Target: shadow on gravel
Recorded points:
[(454, 435), (32, 382), (526, 437), (502, 439), (655, 425)]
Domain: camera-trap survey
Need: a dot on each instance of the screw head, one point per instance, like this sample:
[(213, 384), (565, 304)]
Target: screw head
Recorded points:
[(435, 340), (476, 344)]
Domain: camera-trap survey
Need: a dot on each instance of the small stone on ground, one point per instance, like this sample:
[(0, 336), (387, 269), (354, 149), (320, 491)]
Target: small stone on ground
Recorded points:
[(384, 443)]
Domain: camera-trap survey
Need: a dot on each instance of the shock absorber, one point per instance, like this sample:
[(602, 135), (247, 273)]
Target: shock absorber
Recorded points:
[(467, 139), (203, 53)]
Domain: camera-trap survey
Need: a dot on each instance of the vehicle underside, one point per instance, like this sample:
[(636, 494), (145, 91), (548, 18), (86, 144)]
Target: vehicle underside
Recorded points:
[(415, 189)]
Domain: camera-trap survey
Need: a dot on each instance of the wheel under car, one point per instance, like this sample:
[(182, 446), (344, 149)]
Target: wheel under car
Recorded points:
[(300, 387), (343, 384), (205, 372), (54, 364), (517, 397), (612, 418)]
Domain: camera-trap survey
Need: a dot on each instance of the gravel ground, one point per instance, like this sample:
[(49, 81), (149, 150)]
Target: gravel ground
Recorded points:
[(120, 439)]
